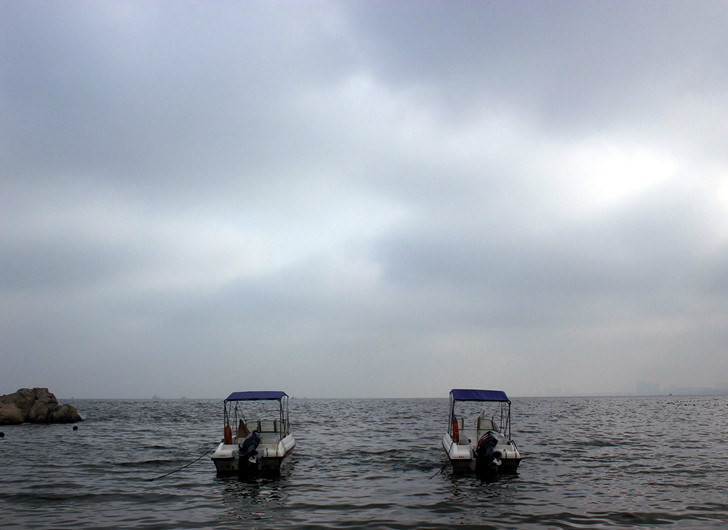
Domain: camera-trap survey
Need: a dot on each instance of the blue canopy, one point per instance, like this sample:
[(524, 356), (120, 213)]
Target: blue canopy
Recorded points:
[(276, 395), (468, 394)]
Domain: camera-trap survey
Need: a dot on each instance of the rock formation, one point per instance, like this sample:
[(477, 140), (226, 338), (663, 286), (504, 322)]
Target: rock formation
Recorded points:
[(36, 405)]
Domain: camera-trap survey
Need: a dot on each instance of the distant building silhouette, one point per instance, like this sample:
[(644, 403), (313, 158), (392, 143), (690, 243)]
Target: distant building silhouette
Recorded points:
[(645, 388)]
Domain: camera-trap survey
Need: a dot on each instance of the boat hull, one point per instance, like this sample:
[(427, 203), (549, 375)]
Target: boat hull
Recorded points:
[(462, 457), (270, 458)]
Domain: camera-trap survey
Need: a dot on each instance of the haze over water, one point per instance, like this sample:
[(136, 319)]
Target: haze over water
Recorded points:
[(590, 462)]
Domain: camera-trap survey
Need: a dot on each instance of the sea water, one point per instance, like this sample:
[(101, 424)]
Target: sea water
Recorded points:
[(589, 462)]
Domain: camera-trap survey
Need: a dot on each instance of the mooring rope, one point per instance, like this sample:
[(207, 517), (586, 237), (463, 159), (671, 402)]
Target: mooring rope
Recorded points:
[(441, 470), (184, 466)]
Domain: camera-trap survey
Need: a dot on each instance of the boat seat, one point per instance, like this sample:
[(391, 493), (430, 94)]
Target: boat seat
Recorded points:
[(268, 425), (242, 431), (486, 424)]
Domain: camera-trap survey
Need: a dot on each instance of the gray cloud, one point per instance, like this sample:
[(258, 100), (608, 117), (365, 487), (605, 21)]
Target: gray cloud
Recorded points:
[(362, 199)]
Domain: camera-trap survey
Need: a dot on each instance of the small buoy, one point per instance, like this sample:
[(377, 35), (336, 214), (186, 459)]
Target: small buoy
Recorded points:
[(75, 427), (2, 435)]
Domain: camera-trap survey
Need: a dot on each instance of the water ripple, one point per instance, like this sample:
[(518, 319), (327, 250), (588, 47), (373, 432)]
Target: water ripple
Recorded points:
[(590, 462)]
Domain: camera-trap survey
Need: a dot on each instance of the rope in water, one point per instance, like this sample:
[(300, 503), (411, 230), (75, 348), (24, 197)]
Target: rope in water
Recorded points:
[(184, 466), (441, 470)]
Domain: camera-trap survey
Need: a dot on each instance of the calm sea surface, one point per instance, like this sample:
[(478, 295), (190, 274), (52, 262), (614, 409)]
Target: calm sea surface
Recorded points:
[(590, 462)]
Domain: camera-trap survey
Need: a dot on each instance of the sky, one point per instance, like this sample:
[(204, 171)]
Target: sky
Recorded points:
[(363, 198)]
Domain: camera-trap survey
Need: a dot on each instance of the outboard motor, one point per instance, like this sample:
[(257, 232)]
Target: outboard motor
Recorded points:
[(246, 450), (487, 459)]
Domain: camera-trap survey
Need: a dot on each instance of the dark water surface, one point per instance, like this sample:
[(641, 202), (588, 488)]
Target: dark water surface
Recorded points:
[(590, 462)]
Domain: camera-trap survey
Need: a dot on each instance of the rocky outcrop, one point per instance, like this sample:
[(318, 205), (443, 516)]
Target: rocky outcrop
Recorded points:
[(36, 405)]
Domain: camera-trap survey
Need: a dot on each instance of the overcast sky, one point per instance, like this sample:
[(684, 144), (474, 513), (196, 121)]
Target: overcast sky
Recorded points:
[(363, 199)]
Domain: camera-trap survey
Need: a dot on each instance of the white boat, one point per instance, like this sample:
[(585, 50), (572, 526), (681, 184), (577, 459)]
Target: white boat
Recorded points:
[(257, 445), (482, 443)]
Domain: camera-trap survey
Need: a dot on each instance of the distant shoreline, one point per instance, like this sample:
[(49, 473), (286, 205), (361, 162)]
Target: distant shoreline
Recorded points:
[(716, 393)]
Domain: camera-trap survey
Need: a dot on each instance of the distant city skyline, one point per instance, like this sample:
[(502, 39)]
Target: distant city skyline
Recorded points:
[(648, 388)]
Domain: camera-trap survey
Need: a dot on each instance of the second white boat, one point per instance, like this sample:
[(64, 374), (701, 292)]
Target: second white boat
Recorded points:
[(482, 444)]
